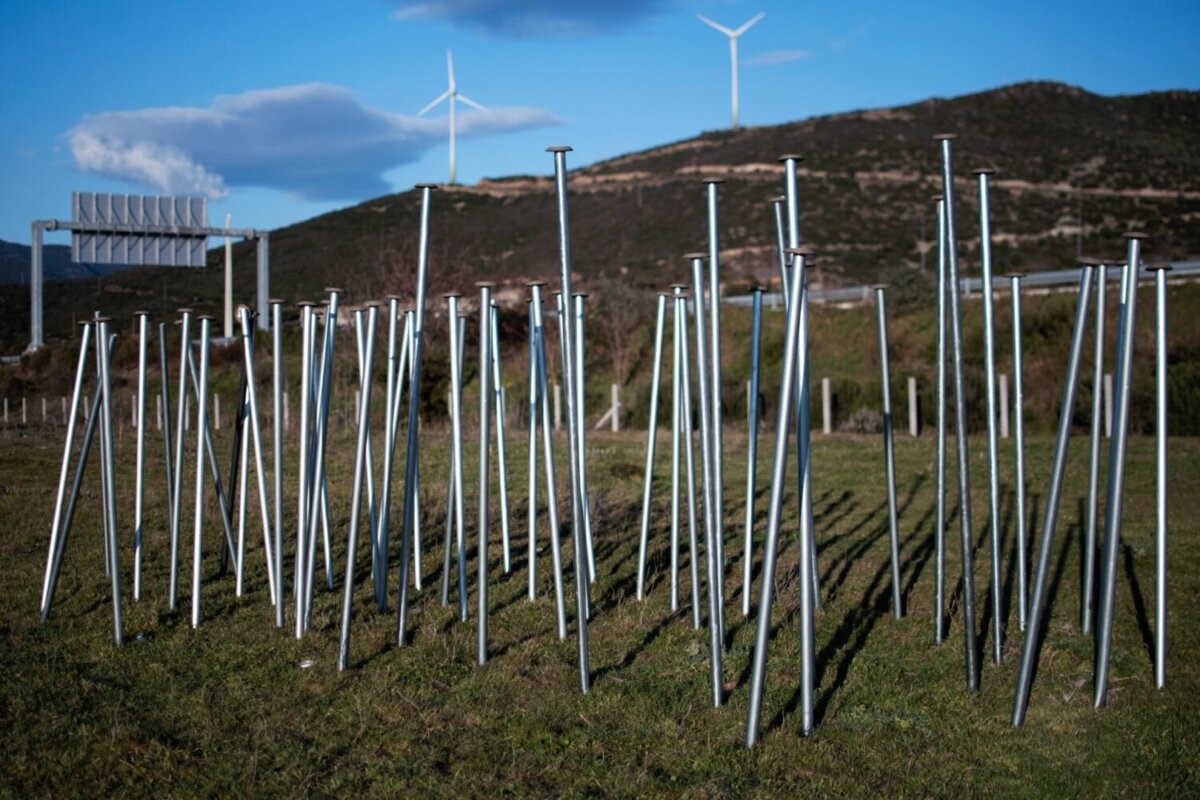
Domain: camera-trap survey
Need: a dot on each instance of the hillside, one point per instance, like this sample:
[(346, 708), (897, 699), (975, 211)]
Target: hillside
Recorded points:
[(1123, 162)]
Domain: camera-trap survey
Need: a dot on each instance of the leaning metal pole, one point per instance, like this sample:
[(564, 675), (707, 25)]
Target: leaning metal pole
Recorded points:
[(501, 459), (361, 465), (185, 345), (1087, 587), (531, 478), (201, 432), (277, 446), (379, 547), (762, 631), (303, 487), (408, 531), (751, 446), (246, 320), (1019, 446), (108, 467), (165, 393), (1053, 495), (960, 416), (889, 456), (535, 300), (939, 534), (485, 401), (707, 456), (651, 431), (1114, 496), (1160, 486), (715, 426), (989, 359), (68, 446), (577, 366), (574, 459), (685, 403), (143, 342)]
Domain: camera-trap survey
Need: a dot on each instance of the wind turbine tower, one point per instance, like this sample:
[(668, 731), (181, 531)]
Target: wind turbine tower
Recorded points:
[(452, 95), (733, 58)]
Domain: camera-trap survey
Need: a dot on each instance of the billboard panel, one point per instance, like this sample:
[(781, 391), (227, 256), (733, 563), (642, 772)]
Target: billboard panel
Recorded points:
[(138, 229)]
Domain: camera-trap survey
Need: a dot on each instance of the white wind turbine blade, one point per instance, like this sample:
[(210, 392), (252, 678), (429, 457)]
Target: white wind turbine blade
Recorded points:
[(450, 71), (715, 25), (470, 102), (757, 18), (439, 99)]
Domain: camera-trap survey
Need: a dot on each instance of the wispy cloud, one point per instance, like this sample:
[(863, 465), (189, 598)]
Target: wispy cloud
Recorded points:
[(523, 19), (315, 141), (843, 41), (776, 57)]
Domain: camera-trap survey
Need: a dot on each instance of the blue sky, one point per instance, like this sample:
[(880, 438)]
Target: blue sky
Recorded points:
[(279, 111)]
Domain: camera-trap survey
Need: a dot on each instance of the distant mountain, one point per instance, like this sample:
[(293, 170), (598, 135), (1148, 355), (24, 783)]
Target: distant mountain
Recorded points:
[(56, 264), (1064, 156)]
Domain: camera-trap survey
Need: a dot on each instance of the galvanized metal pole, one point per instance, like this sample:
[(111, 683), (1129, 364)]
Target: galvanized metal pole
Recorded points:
[(531, 478), (362, 465), (143, 342), (379, 547), (501, 460), (889, 456), (185, 346), (751, 446), (318, 500), (1053, 495), (455, 524), (109, 472), (1019, 445), (803, 428), (1087, 585), (165, 419), (960, 415), (485, 399), (675, 434), (1160, 485), (783, 421), (246, 317), (569, 378), (707, 456), (577, 364), (685, 402), (408, 534), (68, 444), (303, 489), (939, 534), (651, 431), (201, 431), (55, 556), (809, 591), (535, 300), (277, 445), (716, 429), (989, 359), (1115, 495)]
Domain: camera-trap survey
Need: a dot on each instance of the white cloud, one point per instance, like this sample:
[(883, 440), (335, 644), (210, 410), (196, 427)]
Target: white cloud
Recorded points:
[(315, 141), (532, 18), (777, 57)]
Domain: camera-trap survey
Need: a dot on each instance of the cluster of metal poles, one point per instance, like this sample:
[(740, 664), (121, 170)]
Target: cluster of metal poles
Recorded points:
[(1099, 580), (405, 344), (372, 476)]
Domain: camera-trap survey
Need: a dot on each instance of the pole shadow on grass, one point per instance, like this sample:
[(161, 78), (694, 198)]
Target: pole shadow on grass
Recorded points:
[(1139, 602), (1060, 568), (850, 637)]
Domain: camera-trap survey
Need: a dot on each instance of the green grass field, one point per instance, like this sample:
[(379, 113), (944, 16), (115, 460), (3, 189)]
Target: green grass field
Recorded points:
[(228, 708)]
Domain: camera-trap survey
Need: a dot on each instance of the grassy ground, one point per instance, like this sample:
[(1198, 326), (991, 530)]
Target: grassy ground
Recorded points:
[(228, 708)]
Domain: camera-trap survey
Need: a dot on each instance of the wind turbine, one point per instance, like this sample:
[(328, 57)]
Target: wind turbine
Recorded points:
[(733, 60), (451, 94)]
